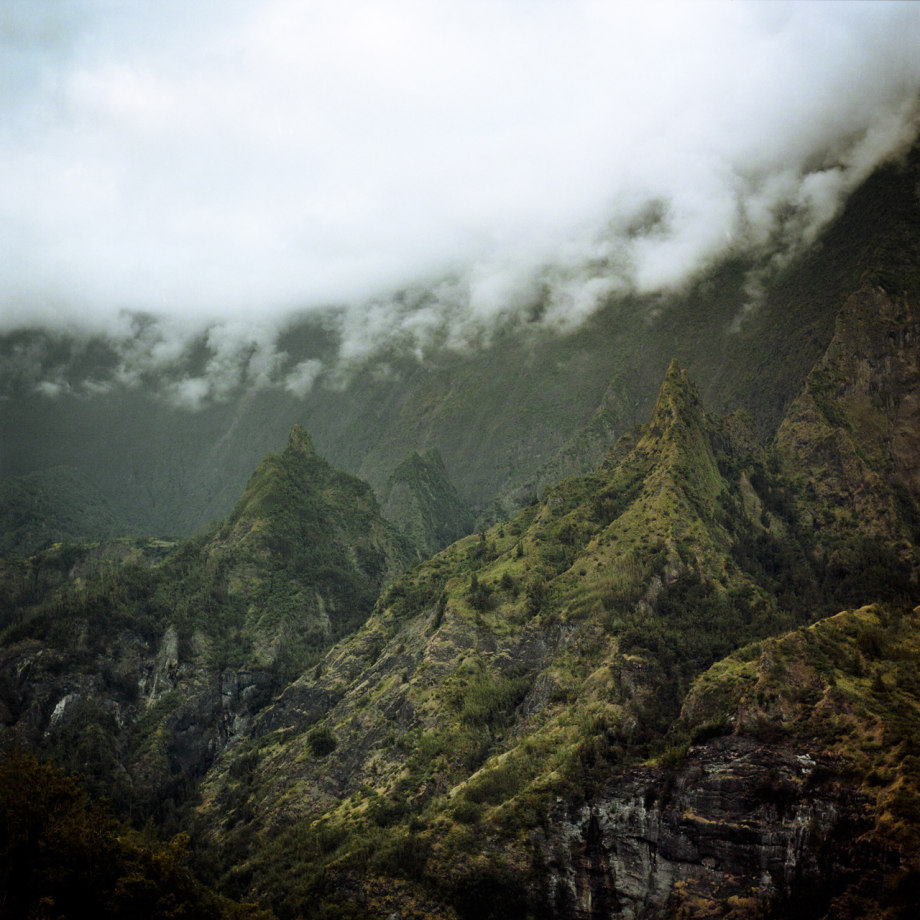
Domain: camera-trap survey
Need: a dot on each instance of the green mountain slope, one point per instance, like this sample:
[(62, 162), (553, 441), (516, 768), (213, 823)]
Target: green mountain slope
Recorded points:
[(637, 697), (421, 501), (303, 555), (62, 856), (52, 506), (135, 662), (856, 421), (526, 665), (790, 791)]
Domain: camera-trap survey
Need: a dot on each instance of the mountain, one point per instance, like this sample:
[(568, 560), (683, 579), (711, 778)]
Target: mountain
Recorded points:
[(678, 684), (560, 714), (421, 501), (304, 553), (857, 420), (522, 697), (136, 661), (791, 791)]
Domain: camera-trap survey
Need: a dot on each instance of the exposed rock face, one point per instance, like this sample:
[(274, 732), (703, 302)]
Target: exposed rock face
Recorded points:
[(800, 812), (737, 821), (480, 734), (141, 719)]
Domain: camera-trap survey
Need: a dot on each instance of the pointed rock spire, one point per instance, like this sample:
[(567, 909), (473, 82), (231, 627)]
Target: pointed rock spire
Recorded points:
[(678, 399), (299, 441)]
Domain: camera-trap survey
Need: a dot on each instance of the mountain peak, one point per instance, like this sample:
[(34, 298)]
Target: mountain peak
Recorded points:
[(678, 400), (677, 441), (422, 501), (299, 441)]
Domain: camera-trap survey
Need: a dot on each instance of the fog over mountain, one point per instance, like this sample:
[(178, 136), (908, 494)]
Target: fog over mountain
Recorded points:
[(192, 177)]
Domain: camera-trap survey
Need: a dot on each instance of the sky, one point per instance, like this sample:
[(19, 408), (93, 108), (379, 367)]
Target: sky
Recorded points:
[(222, 166)]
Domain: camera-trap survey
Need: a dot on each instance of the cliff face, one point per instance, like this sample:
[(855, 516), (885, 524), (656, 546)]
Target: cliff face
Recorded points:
[(732, 830), (801, 804), (422, 502)]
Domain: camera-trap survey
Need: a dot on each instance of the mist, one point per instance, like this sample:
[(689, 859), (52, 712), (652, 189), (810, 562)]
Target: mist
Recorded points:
[(198, 174)]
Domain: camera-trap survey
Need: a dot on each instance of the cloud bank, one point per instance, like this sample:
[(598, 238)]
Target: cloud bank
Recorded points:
[(218, 166)]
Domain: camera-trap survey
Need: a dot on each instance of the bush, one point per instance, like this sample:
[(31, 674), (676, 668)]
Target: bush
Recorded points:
[(321, 741)]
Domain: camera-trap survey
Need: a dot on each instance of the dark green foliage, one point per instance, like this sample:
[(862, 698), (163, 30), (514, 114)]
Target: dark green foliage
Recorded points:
[(622, 588), (299, 564), (321, 741), (480, 594), (54, 505), (63, 857), (405, 855), (420, 499)]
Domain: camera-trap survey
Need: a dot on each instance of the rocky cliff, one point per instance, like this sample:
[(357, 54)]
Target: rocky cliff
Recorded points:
[(796, 797)]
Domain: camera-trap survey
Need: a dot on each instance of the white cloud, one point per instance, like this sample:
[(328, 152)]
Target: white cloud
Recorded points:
[(51, 388), (190, 393), (301, 379), (220, 164)]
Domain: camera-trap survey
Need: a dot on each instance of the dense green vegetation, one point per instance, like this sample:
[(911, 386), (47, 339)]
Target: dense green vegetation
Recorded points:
[(421, 501), (535, 661), (64, 856), (529, 663), (54, 505), (133, 642)]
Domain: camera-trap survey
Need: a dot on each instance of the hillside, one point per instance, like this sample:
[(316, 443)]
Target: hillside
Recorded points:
[(422, 502), (635, 697), (135, 662), (525, 722)]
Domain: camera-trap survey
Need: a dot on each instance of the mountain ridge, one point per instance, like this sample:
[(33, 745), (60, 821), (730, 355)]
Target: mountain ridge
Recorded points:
[(598, 606)]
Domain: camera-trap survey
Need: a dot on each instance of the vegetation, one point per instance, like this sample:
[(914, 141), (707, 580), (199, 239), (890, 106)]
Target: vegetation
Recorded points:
[(689, 541), (422, 502), (126, 640), (63, 856)]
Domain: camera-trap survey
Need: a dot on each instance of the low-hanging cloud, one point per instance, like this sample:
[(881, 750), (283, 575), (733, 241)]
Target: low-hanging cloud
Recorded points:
[(175, 170)]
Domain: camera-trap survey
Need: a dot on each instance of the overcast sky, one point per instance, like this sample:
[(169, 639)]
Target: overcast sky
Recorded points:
[(232, 161)]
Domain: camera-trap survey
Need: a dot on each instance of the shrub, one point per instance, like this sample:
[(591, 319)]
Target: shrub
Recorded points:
[(321, 741)]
